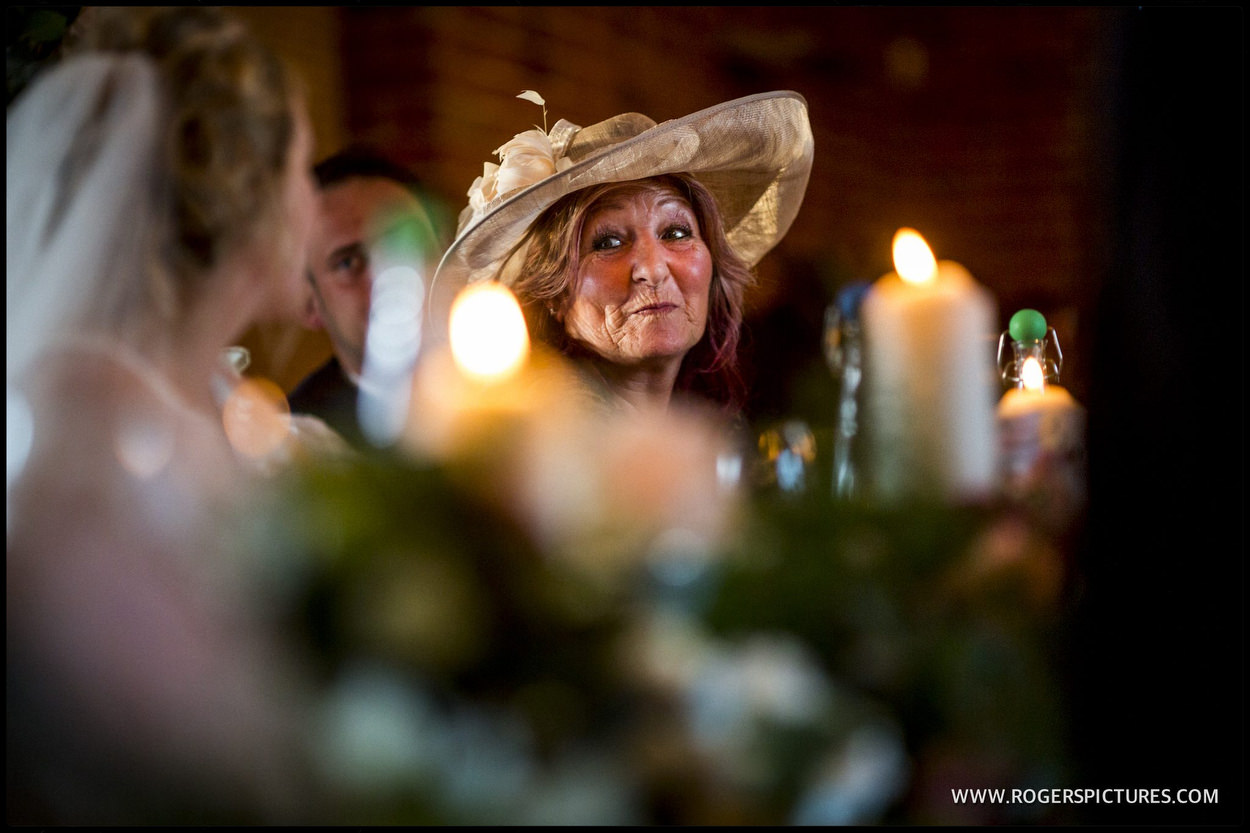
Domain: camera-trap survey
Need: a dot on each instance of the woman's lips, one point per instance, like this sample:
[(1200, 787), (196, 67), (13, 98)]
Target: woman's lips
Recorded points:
[(655, 309)]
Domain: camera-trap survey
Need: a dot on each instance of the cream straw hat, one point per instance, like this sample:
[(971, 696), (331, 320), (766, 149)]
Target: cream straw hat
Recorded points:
[(754, 154)]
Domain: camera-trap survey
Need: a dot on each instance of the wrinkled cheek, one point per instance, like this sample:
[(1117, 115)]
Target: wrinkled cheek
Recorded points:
[(698, 319), (586, 325), (696, 326)]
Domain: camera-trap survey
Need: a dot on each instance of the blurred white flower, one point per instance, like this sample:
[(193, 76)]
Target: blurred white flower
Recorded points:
[(858, 781), (740, 695), (489, 769), (667, 651), (782, 680), (620, 491), (378, 733), (769, 678)]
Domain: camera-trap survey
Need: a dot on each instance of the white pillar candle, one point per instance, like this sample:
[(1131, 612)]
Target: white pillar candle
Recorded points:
[(1034, 397), (1041, 431), (930, 381)]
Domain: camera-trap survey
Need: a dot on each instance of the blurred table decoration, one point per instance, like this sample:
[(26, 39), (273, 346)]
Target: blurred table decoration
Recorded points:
[(536, 611), (633, 640), (795, 663)]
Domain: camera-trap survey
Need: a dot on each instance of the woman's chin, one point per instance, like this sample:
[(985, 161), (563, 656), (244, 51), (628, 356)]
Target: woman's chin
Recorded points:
[(654, 355), (659, 347)]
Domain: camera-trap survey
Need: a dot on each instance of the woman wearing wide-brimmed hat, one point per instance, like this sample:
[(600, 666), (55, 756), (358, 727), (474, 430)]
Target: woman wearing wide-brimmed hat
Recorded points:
[(629, 243)]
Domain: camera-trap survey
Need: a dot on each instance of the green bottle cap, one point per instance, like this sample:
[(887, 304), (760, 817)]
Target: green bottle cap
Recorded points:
[(1027, 325)]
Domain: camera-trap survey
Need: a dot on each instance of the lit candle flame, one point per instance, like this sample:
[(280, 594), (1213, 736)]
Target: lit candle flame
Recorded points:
[(489, 341), (913, 259), (1031, 375)]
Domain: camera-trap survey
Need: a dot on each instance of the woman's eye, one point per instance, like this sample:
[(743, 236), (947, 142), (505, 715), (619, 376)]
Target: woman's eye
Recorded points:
[(605, 241), (677, 232)]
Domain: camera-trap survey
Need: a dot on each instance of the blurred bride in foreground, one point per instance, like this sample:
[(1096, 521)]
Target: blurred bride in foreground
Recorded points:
[(157, 206)]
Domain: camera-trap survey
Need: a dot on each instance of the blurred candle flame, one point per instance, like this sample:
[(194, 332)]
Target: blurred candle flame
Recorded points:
[(1031, 375), (489, 340), (913, 259)]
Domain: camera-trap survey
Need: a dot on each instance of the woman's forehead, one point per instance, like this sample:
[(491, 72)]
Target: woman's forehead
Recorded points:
[(620, 196)]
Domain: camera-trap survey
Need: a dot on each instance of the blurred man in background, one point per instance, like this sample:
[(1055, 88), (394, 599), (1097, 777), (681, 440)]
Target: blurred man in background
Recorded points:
[(364, 198)]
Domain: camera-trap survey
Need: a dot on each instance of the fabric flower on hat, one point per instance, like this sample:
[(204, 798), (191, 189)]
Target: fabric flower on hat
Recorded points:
[(527, 158), (482, 191), (524, 160)]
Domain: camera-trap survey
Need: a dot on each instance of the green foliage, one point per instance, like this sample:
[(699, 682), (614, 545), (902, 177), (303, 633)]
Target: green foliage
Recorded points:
[(924, 629), (893, 602)]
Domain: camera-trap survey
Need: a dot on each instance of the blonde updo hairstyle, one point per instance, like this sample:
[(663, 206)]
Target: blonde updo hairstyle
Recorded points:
[(229, 126)]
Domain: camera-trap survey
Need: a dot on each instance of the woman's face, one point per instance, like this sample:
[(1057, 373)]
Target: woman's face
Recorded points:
[(641, 292)]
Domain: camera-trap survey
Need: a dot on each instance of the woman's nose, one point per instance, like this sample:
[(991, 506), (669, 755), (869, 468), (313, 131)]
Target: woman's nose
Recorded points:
[(650, 266)]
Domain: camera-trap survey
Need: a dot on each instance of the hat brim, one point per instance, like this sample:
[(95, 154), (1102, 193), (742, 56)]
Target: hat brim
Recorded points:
[(754, 154)]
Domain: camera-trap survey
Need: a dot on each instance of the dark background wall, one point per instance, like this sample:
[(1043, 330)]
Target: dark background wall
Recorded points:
[(981, 127), (1158, 648)]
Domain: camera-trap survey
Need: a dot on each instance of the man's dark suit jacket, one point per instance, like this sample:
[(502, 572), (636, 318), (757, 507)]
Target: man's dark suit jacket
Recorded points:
[(329, 394)]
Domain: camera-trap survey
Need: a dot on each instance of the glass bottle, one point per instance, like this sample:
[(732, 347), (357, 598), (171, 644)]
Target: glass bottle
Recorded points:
[(1040, 424), (1029, 336), (844, 355)]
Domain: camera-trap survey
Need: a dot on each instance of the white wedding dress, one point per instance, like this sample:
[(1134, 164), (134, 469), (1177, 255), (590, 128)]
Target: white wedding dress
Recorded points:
[(144, 685)]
